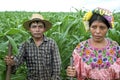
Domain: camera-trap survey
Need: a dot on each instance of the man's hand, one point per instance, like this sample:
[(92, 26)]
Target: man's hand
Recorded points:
[(9, 60)]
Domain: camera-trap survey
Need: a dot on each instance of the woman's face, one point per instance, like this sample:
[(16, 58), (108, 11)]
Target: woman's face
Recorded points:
[(98, 30)]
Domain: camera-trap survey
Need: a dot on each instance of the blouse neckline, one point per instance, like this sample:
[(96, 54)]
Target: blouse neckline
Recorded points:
[(93, 47)]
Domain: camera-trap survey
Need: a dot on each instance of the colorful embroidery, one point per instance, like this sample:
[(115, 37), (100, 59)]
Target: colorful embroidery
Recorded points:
[(98, 58)]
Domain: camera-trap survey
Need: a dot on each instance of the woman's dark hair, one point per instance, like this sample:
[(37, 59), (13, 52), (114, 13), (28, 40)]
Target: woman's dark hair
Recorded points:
[(98, 17)]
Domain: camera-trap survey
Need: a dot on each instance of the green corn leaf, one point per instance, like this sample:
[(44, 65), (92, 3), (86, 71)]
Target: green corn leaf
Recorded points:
[(13, 43)]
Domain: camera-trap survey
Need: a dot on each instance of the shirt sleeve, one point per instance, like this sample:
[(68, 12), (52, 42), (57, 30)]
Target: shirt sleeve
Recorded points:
[(19, 59), (56, 62), (116, 65), (81, 67)]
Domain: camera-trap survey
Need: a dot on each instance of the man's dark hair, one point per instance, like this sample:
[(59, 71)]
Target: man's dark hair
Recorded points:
[(36, 22)]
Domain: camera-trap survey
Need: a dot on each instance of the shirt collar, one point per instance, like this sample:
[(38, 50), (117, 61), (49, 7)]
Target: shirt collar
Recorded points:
[(45, 39)]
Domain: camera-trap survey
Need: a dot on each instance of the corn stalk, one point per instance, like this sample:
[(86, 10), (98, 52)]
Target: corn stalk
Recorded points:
[(8, 73)]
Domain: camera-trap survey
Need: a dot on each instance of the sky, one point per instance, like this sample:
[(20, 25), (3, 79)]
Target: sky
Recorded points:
[(57, 5)]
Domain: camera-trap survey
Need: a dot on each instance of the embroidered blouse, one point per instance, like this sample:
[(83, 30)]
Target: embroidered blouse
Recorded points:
[(97, 63)]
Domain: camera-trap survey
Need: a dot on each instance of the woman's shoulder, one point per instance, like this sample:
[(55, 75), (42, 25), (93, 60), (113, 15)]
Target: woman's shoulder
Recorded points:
[(112, 42), (82, 44)]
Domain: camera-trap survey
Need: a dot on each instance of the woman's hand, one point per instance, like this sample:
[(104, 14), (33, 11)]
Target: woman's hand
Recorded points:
[(112, 73), (118, 61), (9, 60), (71, 71)]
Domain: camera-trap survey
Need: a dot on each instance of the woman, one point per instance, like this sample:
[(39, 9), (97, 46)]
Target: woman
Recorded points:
[(97, 57)]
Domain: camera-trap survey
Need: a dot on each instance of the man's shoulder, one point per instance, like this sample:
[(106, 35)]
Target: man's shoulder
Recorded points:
[(49, 39), (24, 43)]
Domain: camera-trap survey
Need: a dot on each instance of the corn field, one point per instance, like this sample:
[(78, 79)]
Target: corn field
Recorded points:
[(67, 30)]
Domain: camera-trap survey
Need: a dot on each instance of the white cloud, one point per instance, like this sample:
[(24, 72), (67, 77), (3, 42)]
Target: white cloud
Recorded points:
[(57, 5), (108, 4)]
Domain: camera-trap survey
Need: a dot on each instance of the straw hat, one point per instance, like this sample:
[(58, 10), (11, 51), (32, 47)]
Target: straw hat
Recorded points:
[(37, 17)]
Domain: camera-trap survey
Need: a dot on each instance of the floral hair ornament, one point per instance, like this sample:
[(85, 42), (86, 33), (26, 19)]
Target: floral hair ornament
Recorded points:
[(86, 19), (103, 12)]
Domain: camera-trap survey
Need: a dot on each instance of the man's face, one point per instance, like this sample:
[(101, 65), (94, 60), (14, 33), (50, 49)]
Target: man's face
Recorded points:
[(37, 29)]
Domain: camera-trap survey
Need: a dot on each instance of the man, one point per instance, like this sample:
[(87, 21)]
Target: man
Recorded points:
[(40, 53)]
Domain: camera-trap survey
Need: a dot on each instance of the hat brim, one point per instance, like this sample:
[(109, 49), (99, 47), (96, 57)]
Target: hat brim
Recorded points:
[(47, 24)]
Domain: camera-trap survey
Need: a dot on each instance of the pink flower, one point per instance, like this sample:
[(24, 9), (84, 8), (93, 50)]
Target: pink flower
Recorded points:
[(92, 55), (99, 56)]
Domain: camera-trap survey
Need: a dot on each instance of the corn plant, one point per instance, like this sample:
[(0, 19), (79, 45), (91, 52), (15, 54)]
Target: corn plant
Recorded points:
[(67, 30)]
